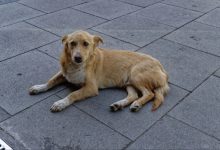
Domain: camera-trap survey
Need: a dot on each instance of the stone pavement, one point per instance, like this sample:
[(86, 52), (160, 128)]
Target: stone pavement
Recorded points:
[(183, 34)]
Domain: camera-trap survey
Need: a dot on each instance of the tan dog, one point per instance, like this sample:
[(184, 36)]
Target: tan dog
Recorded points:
[(82, 62)]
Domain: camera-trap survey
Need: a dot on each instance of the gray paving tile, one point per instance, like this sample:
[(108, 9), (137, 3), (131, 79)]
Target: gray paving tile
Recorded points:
[(51, 5), (198, 36), (6, 1), (15, 12), (38, 128), (21, 37), (107, 9), (134, 29), (198, 5), (201, 108), (169, 133), (218, 73), (3, 115), (14, 144), (128, 123), (142, 3), (54, 49), (186, 67), (170, 15), (211, 18), (112, 43), (65, 21), (19, 74)]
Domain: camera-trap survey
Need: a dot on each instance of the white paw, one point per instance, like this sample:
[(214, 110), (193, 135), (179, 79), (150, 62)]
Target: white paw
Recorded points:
[(118, 105), (59, 105), (135, 106), (37, 89), (115, 106)]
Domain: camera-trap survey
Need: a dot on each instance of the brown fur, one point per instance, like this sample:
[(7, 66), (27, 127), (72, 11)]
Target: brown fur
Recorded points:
[(103, 68)]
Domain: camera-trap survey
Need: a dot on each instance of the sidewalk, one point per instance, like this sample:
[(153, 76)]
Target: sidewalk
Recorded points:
[(183, 34)]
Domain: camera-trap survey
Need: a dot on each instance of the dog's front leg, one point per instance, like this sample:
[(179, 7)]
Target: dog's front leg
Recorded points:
[(84, 92), (55, 80)]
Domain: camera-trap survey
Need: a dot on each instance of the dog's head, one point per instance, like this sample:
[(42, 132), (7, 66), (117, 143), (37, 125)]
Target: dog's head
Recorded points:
[(80, 45)]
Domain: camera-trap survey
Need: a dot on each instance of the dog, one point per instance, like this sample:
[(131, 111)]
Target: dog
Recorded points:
[(93, 68)]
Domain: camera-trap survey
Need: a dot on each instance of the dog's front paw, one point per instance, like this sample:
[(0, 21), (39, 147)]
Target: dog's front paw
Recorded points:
[(135, 106), (37, 89), (58, 106)]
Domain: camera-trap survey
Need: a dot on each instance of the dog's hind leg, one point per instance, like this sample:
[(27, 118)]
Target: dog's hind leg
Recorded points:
[(55, 80), (132, 96), (147, 95)]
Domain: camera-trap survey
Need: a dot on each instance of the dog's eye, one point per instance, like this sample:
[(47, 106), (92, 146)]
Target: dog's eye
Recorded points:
[(73, 43), (85, 43)]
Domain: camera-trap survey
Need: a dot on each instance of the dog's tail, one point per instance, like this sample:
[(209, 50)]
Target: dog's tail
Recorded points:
[(159, 96)]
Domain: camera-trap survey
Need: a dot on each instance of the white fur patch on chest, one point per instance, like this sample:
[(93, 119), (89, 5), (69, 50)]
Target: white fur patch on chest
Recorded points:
[(75, 76)]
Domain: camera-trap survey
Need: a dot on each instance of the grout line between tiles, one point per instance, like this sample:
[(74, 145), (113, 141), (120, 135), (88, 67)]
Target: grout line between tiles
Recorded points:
[(42, 29), (50, 95), (162, 37), (182, 7), (33, 49), (47, 54), (198, 50), (98, 120), (201, 131)]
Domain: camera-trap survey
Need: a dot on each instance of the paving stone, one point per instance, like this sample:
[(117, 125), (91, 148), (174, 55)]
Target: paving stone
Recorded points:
[(198, 5), (186, 67), (107, 9), (21, 37), (170, 15), (211, 18), (15, 12), (6, 1), (3, 115), (198, 36), (135, 29), (65, 21), (19, 74), (218, 73), (51, 5), (201, 108), (142, 3), (54, 49), (38, 128), (128, 123), (112, 43), (169, 133), (14, 144)]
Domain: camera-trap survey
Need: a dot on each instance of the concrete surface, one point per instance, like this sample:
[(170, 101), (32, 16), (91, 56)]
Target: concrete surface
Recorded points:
[(183, 34)]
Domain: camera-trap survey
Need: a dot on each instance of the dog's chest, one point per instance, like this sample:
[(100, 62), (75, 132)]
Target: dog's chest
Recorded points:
[(75, 76)]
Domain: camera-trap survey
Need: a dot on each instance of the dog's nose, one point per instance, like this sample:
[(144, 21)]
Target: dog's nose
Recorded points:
[(78, 58)]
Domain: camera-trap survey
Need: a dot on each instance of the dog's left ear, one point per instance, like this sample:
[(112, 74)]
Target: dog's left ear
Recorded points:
[(64, 39), (97, 40)]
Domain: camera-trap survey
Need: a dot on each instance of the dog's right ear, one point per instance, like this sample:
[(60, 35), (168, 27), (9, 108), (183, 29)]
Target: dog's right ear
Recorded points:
[(97, 40), (64, 39)]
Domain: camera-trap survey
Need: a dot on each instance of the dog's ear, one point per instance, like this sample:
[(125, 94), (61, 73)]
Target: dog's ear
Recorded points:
[(64, 39), (97, 40)]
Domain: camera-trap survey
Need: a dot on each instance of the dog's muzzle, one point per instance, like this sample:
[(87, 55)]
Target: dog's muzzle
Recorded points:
[(78, 58)]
